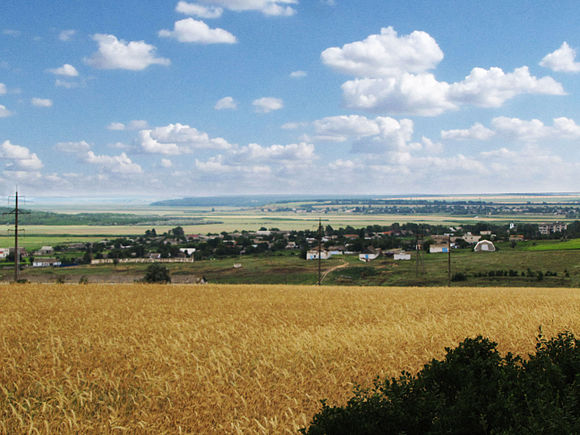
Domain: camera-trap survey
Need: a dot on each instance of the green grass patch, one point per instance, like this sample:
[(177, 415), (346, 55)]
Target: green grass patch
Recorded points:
[(553, 245)]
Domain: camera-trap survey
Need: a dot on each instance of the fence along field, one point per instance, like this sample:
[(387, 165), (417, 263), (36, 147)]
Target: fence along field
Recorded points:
[(233, 359)]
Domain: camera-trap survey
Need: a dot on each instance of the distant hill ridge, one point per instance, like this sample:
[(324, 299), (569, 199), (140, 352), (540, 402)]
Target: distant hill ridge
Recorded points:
[(261, 200)]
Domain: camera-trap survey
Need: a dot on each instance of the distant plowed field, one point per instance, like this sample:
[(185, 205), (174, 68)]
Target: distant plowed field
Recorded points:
[(219, 358)]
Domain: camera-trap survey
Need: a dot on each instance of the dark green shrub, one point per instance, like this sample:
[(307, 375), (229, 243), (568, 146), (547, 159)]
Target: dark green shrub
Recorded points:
[(157, 273), (459, 276), (472, 391)]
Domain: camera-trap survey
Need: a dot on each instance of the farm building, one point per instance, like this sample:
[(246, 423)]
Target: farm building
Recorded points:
[(45, 250), (368, 256), (556, 227), (402, 256), (313, 255), (437, 248), (46, 262), (484, 246), (4, 252)]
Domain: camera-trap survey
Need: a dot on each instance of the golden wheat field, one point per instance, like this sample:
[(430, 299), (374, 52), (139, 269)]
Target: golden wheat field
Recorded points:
[(233, 359)]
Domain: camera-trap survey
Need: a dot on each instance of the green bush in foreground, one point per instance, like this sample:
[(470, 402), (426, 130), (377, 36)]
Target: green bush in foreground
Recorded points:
[(472, 391)]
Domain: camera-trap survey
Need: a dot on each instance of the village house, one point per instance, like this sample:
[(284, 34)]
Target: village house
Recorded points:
[(45, 250), (549, 228), (4, 252), (313, 255), (438, 248)]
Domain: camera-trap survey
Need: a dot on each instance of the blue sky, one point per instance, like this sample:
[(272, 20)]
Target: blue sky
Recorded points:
[(159, 99)]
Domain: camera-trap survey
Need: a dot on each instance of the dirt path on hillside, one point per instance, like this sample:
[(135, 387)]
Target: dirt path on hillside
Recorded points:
[(332, 269)]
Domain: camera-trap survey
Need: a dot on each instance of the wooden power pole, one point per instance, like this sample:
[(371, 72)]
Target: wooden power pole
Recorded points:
[(449, 260), (15, 212), (319, 251)]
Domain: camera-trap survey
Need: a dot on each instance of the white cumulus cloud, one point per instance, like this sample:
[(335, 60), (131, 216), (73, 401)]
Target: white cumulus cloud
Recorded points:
[(190, 30), (41, 102), (136, 124), (3, 89), (116, 53), (391, 76), (19, 158), (255, 152), (166, 163), (372, 136), (266, 7), (520, 130), (175, 139), (562, 60), (267, 104), (493, 87), (385, 55), (66, 70), (199, 10), (535, 130), (408, 94), (477, 132), (226, 103), (73, 147), (120, 164)]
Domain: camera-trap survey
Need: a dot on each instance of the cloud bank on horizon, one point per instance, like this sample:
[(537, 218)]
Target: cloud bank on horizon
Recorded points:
[(280, 96)]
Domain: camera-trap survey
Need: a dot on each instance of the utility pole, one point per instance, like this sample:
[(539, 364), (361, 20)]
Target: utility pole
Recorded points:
[(449, 260), (15, 212), (419, 265), (319, 251)]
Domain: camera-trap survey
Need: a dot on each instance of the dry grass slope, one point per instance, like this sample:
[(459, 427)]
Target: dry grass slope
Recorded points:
[(148, 358)]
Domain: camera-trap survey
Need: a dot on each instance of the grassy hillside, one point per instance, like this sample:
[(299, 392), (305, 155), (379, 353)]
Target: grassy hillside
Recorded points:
[(233, 359), (289, 268)]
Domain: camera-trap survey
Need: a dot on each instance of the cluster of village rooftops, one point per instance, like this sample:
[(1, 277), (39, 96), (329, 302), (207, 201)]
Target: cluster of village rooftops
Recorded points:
[(396, 241)]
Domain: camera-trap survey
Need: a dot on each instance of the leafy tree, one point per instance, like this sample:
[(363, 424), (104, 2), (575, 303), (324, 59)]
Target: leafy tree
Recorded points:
[(178, 233), (157, 273)]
